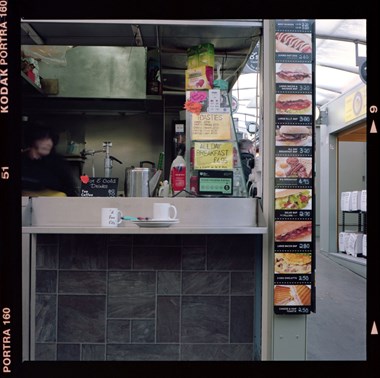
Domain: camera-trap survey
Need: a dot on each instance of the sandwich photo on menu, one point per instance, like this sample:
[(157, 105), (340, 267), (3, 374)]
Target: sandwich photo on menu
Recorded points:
[(293, 104), (292, 295), (293, 231), (292, 263), (293, 73), (290, 135), (293, 199)]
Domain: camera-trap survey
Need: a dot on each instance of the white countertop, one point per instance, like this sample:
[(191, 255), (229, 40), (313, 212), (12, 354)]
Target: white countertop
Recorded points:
[(68, 215)]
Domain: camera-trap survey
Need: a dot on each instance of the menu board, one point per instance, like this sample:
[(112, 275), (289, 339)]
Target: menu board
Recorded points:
[(211, 126), (98, 186), (294, 239)]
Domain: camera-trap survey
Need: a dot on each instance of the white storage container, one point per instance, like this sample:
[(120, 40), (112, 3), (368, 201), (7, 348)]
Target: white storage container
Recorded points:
[(355, 244), (346, 238), (363, 200), (364, 245), (342, 247), (355, 200), (345, 201)]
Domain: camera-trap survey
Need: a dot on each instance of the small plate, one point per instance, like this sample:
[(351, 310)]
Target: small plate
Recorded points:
[(156, 223)]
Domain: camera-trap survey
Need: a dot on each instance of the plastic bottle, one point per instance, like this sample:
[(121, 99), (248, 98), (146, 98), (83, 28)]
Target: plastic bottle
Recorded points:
[(178, 172)]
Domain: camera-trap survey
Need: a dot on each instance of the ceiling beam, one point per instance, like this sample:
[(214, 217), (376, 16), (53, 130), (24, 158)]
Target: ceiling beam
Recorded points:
[(230, 23), (340, 38), (32, 34), (339, 67)]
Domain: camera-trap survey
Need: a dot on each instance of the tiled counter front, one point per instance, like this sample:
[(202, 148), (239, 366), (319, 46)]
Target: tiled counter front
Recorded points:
[(147, 297)]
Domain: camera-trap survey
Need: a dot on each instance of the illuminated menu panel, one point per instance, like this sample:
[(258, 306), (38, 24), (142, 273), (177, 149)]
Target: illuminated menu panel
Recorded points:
[(294, 231)]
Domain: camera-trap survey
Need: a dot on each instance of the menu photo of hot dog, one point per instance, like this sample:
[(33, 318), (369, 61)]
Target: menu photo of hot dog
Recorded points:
[(293, 231), (293, 103), (293, 167), (293, 42)]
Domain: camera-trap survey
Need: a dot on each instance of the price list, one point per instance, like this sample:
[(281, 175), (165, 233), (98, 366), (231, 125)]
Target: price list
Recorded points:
[(294, 265)]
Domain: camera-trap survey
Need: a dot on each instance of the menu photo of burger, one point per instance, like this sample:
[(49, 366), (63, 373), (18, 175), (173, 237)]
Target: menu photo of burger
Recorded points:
[(292, 295), (292, 135), (293, 104), (293, 231), (292, 73), (293, 199), (292, 263)]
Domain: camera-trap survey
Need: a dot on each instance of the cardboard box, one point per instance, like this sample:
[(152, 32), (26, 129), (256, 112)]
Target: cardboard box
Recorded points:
[(199, 78)]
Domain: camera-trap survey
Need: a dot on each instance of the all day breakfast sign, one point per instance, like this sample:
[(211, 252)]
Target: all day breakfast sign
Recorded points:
[(211, 126), (213, 155)]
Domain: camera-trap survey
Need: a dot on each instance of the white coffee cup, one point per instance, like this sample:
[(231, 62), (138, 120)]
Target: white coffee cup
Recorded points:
[(163, 210), (111, 217)]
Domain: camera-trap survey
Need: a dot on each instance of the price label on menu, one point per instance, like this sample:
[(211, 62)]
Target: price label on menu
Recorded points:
[(289, 88), (294, 151), (294, 119)]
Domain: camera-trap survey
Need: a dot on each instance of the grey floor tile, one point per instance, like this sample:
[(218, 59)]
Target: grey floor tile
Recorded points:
[(242, 283), (68, 352), (93, 352), (83, 252), (205, 319), (45, 351), (47, 256), (157, 258), (81, 318), (143, 331), (74, 282), (194, 258), (217, 352), (46, 281), (168, 282), (118, 331), (139, 352), (119, 257), (217, 283), (46, 315), (168, 318), (241, 320)]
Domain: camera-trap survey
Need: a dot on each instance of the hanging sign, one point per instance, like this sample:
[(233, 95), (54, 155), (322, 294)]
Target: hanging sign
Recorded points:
[(211, 126), (294, 236), (213, 155)]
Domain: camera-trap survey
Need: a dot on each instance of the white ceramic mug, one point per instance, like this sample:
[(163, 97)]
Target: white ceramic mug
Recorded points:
[(111, 217), (163, 210)]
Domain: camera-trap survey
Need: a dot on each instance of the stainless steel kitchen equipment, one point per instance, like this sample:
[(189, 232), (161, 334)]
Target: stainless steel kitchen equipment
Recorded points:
[(141, 181)]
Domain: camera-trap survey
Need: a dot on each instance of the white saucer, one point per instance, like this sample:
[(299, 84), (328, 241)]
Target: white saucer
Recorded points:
[(156, 222)]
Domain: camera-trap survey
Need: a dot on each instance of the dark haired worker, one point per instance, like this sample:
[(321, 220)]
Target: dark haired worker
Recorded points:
[(43, 172)]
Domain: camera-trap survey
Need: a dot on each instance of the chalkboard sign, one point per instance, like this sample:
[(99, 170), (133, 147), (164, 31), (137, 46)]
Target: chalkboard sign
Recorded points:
[(98, 186)]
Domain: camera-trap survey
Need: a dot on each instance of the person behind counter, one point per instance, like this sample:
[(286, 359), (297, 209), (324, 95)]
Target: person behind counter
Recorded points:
[(43, 171), (247, 157)]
